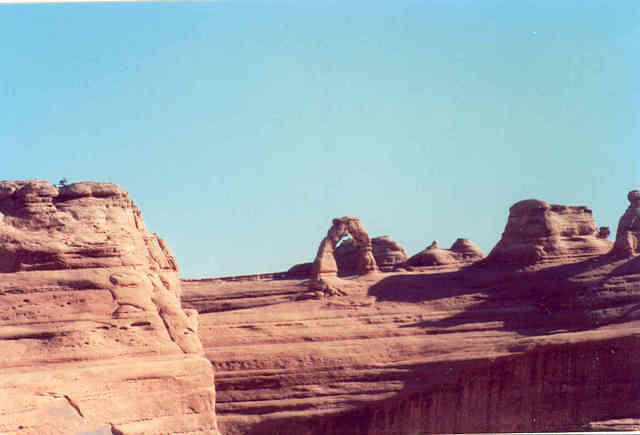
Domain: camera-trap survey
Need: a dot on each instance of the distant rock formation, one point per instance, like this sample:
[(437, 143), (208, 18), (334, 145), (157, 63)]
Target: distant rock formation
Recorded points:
[(85, 288), (539, 232), (462, 251), (300, 271), (325, 264), (627, 242), (386, 253), (324, 270)]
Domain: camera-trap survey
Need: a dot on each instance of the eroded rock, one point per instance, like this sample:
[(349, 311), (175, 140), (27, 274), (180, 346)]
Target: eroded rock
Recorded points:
[(325, 268), (627, 242), (386, 253), (90, 311), (462, 251), (538, 232)]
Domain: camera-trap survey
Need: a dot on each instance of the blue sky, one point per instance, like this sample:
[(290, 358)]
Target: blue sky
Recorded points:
[(241, 128)]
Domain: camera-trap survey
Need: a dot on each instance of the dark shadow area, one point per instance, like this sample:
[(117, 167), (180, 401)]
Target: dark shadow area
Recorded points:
[(568, 297), (555, 388)]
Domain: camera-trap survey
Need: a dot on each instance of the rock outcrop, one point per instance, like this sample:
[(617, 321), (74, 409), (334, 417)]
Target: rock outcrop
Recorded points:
[(325, 265), (627, 242), (462, 251), (324, 270), (93, 334), (472, 348), (386, 253), (551, 349), (538, 232)]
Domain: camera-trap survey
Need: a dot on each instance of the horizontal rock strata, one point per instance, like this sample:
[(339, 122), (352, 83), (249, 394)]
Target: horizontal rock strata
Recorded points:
[(470, 347), (93, 334), (547, 349)]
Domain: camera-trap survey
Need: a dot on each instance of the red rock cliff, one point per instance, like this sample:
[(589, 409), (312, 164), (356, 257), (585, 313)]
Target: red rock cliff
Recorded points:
[(92, 330)]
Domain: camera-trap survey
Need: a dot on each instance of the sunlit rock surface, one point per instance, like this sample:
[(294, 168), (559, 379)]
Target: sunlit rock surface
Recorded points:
[(516, 344), (92, 331), (537, 232)]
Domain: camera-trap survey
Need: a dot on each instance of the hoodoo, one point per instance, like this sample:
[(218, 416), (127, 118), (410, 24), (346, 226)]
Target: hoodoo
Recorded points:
[(92, 330)]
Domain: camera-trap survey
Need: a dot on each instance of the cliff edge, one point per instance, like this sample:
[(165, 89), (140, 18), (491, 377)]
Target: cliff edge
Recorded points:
[(93, 334)]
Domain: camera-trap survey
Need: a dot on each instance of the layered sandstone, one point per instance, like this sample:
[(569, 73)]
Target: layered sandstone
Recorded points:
[(550, 349), (93, 334), (471, 348), (538, 232), (462, 251)]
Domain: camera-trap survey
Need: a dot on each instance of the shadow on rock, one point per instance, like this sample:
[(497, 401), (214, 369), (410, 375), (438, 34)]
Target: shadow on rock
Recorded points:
[(569, 297)]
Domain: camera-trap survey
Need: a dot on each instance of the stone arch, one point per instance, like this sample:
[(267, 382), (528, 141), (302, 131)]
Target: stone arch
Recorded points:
[(325, 265)]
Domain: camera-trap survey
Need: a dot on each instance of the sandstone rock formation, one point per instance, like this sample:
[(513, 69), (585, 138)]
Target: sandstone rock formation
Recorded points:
[(92, 330), (462, 251), (325, 265), (551, 349), (468, 348), (324, 269), (538, 232), (301, 270), (627, 242), (386, 254)]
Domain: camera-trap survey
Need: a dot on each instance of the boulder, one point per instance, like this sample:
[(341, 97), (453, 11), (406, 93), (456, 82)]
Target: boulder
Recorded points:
[(92, 329)]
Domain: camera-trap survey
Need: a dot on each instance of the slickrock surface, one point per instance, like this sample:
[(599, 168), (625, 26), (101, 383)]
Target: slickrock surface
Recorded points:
[(462, 251), (538, 232), (92, 331), (486, 347)]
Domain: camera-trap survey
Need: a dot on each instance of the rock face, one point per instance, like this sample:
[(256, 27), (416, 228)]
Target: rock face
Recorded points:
[(92, 330), (462, 251), (386, 253), (628, 235), (538, 232), (472, 348)]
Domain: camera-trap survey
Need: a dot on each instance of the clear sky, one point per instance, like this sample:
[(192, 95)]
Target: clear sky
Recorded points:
[(241, 128)]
